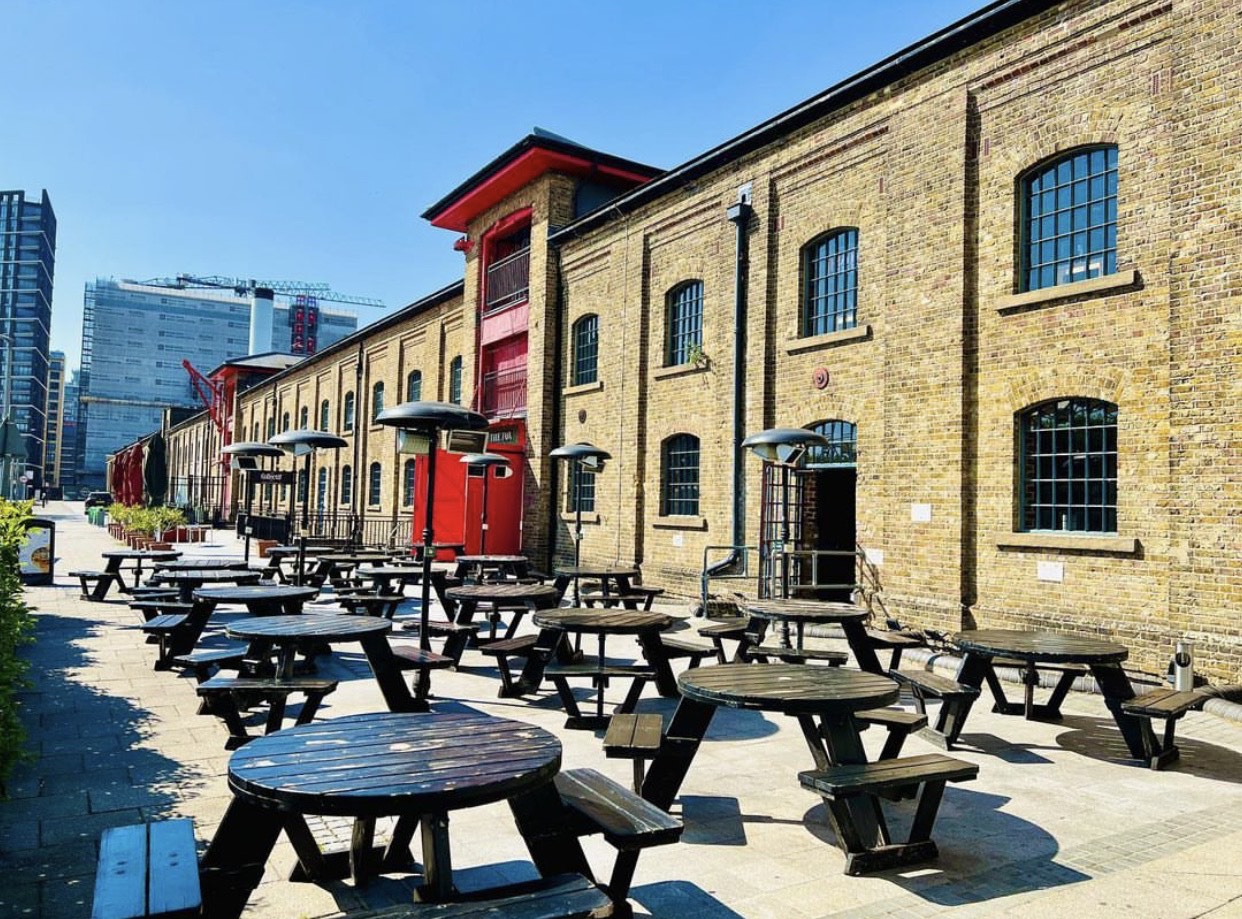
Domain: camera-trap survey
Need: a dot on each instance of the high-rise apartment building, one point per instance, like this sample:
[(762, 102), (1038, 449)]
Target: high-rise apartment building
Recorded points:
[(27, 265), (134, 338), (53, 440), (70, 448)]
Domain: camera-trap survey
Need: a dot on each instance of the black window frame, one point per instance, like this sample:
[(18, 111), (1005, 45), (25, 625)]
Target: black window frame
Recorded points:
[(830, 282), (408, 479), (348, 412), (346, 494), (377, 399), (414, 386), (454, 387), (1067, 465), (680, 456), (683, 323), (375, 484), (585, 337), (581, 491)]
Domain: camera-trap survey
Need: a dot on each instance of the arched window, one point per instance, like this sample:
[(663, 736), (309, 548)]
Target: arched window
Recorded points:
[(830, 283), (301, 496), (455, 380), (1069, 466), (377, 400), (684, 323), (284, 421), (407, 483), (373, 485), (271, 427), (321, 492), (303, 418), (347, 422), (325, 413), (586, 350), (347, 485), (679, 476), (843, 445), (1069, 219), (254, 431), (414, 386)]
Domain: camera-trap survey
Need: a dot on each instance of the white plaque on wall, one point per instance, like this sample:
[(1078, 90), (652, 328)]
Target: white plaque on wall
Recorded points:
[(1050, 571), (920, 513), (874, 556)]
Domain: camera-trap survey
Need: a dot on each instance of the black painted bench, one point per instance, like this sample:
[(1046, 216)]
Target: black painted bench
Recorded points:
[(599, 675), (634, 737), (895, 642), (504, 648), (628, 823), (149, 869), (838, 784), (761, 653), (456, 636), (900, 724), (222, 693), (1167, 705), (638, 597), (735, 630), (204, 663), (681, 649), (371, 604), (148, 609), (411, 657), (955, 702), (176, 633), (1029, 674), (563, 896), (95, 584)]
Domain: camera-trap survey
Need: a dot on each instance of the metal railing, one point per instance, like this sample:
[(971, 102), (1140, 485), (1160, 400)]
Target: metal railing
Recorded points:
[(380, 530), (504, 392), (738, 572), (508, 281)]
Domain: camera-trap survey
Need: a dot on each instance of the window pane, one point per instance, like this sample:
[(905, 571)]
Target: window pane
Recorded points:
[(685, 323), (680, 481), (1064, 201), (1069, 466), (586, 350), (831, 291)]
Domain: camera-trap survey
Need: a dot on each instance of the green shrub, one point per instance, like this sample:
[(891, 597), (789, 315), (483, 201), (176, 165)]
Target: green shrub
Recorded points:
[(16, 626)]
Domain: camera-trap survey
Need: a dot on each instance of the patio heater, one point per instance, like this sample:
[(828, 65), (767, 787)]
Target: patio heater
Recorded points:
[(486, 461), (784, 447), (304, 443), (246, 456), (420, 424), (580, 457)]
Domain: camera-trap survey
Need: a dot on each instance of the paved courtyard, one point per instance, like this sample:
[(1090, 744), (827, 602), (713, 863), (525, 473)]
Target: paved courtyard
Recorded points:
[(1058, 823)]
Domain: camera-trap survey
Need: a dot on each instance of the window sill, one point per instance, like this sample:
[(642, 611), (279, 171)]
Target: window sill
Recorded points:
[(680, 523), (571, 517), (830, 340), (582, 388), (679, 370), (1046, 295), (1112, 545)]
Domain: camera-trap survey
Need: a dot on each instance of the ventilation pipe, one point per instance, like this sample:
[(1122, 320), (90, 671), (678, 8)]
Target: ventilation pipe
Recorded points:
[(261, 310), (739, 215)]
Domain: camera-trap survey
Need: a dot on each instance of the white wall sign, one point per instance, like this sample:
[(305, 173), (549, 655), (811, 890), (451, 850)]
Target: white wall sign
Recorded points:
[(920, 513), (874, 556), (1050, 571), (677, 540)]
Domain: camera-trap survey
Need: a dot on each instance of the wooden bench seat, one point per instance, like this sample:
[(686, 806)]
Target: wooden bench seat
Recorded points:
[(95, 584), (176, 633), (681, 649), (1167, 705), (638, 597), (955, 702), (222, 694), (412, 657), (599, 675), (761, 653), (628, 823), (895, 643), (370, 604), (149, 609), (900, 724), (634, 737), (456, 636), (837, 784), (204, 662), (504, 648), (148, 869), (729, 630), (562, 896)]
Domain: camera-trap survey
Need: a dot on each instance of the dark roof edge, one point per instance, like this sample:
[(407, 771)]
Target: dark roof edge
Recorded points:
[(984, 23), (529, 142), (457, 288)]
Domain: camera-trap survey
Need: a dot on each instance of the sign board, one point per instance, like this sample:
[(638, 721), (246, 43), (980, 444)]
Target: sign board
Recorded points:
[(37, 556), (271, 477), (465, 441), (245, 463)]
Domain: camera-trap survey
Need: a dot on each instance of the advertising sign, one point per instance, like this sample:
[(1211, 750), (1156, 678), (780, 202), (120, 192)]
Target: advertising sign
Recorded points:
[(37, 556)]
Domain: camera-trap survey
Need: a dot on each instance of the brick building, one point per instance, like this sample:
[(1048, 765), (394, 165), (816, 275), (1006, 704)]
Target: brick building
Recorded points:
[(998, 270)]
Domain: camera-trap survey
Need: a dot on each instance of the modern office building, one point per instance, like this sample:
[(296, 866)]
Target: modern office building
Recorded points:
[(27, 266), (71, 447), (134, 339), (53, 439)]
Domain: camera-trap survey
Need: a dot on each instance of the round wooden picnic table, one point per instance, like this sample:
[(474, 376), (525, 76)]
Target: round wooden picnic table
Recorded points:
[(189, 580), (202, 564), (801, 613), (613, 579), (117, 557), (1032, 648), (260, 599), (479, 567), (416, 768)]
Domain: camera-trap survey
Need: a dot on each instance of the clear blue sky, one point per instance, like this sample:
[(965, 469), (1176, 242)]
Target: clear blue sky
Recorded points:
[(302, 139)]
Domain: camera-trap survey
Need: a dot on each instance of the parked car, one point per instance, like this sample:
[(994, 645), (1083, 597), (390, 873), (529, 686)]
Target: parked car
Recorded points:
[(99, 499)]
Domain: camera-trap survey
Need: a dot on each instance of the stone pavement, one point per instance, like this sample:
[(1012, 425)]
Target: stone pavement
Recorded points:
[(1058, 823)]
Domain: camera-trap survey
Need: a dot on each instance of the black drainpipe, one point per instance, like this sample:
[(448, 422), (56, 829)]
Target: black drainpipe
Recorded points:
[(554, 426), (739, 214)]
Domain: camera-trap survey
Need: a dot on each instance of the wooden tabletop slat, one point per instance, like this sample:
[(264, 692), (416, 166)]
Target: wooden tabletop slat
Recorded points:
[(589, 571), (1048, 647), (789, 688), (618, 621), (500, 593), (806, 610), (324, 627), (250, 592)]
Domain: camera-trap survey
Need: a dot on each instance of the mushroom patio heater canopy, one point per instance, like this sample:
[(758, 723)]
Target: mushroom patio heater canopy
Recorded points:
[(784, 447), (429, 418), (255, 450), (485, 461), (580, 456)]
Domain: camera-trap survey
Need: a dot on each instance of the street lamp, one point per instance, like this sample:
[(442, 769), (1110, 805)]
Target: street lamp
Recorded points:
[(580, 457), (784, 447), (304, 443), (485, 461), (420, 424), (246, 455)]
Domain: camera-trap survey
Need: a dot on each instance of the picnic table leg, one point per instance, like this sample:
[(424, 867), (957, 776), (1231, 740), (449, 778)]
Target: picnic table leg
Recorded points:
[(677, 748), (236, 857), (549, 643), (845, 748), (384, 665), (657, 657), (864, 652), (544, 822), (437, 883), (1136, 730)]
